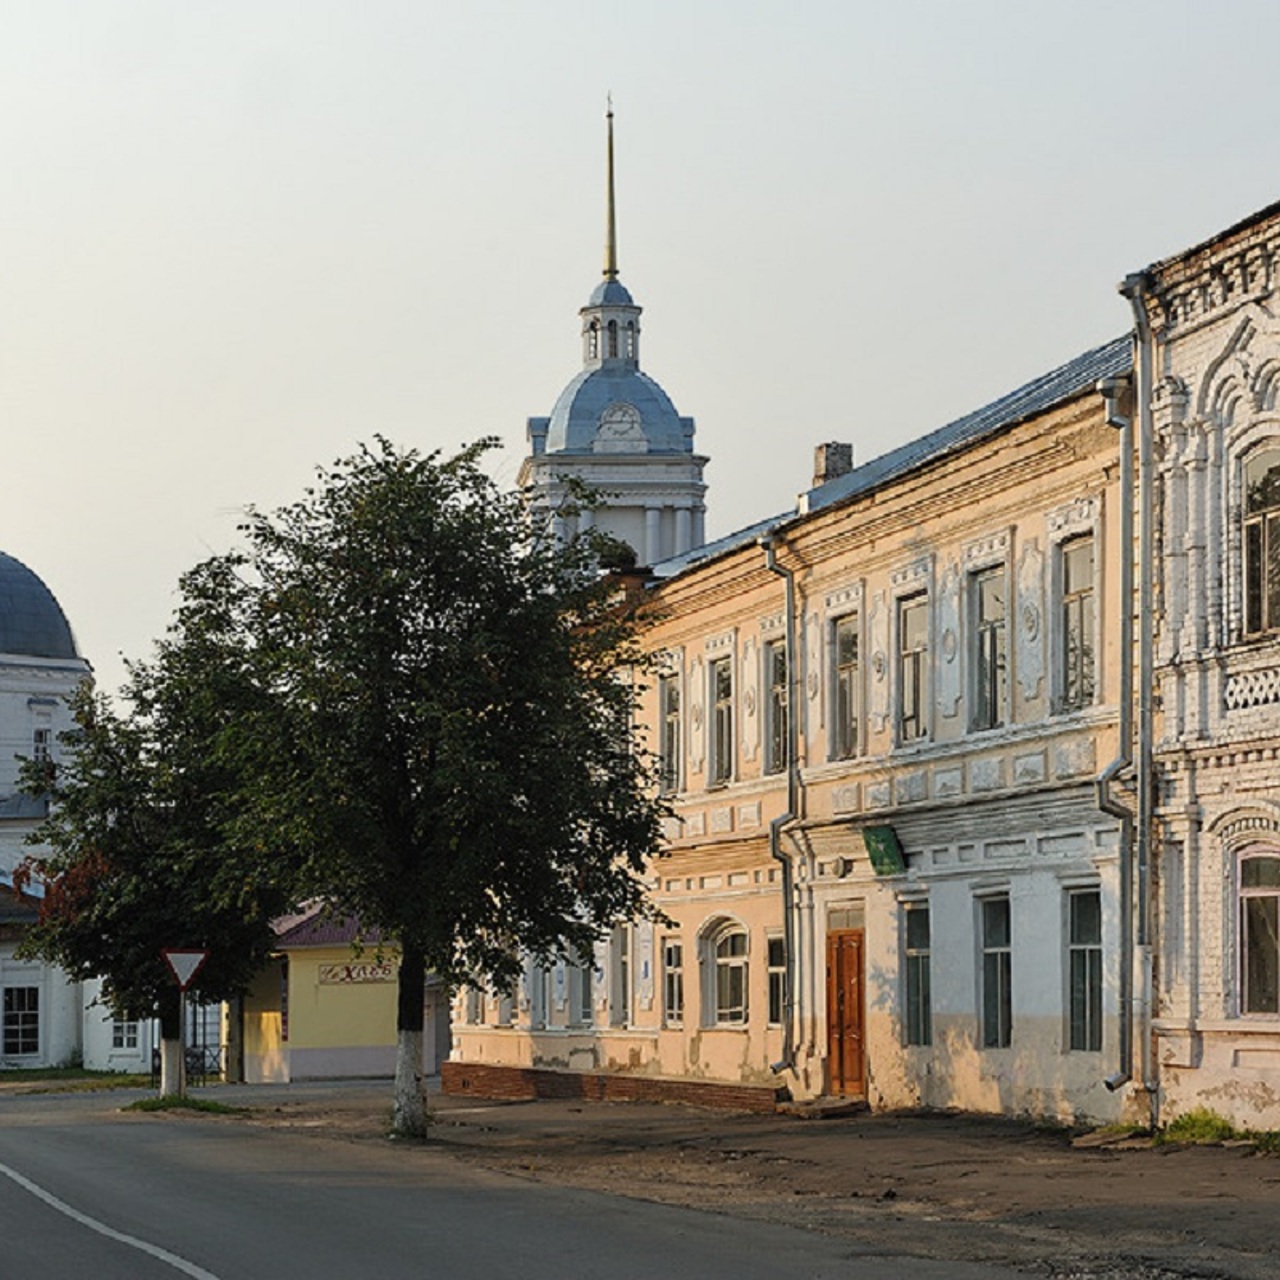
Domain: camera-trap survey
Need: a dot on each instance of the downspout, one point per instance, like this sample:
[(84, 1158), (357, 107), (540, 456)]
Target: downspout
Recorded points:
[(1116, 391), (776, 826), (1135, 289)]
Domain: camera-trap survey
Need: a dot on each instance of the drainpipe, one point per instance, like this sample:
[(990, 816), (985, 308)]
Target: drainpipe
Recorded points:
[(1135, 288), (1116, 392), (769, 546)]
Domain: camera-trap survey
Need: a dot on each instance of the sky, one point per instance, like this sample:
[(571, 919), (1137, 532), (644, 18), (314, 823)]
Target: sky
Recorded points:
[(238, 239)]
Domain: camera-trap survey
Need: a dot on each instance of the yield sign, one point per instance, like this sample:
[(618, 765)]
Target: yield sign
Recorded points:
[(185, 964)]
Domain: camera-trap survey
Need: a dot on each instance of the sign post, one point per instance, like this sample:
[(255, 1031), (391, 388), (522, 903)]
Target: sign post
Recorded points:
[(184, 963)]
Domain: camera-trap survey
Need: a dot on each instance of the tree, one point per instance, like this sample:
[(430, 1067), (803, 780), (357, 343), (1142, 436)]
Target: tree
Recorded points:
[(138, 853), (449, 739)]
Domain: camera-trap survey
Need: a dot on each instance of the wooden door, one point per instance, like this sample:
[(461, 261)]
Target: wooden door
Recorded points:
[(846, 1050)]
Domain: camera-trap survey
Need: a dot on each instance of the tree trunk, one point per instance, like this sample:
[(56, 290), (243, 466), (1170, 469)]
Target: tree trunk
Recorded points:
[(173, 1073), (409, 1114)]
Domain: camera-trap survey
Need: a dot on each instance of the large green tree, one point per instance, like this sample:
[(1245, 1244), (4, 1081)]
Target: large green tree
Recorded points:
[(449, 735), (138, 852)]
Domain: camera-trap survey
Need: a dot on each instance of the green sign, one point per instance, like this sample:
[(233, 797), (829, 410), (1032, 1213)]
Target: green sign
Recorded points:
[(884, 850)]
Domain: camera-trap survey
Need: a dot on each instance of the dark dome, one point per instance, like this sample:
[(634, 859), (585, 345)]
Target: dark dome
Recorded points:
[(31, 620)]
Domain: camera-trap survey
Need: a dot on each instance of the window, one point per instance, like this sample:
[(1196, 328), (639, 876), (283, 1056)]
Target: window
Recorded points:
[(1262, 542), (915, 930), (1260, 933), (848, 708), (41, 741), (612, 349), (124, 1033), (1084, 960), (620, 1005), (593, 341), (913, 655), (997, 973), (990, 665), (21, 1021), (775, 667), (777, 958), (1077, 623), (669, 736), (721, 721), (729, 953), (583, 1009), (672, 982)]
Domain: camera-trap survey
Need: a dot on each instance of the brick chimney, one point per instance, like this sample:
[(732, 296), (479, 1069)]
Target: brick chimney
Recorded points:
[(831, 460)]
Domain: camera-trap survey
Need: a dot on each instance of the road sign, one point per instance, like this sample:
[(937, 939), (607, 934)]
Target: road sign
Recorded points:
[(185, 964)]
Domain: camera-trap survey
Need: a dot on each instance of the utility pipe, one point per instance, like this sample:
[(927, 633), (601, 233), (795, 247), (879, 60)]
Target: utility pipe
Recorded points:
[(1136, 289), (769, 544), (1116, 391)]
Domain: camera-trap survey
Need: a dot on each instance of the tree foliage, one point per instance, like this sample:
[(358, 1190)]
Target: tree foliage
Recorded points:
[(140, 850), (399, 696)]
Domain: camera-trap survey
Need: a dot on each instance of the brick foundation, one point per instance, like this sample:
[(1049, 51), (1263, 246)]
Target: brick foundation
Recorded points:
[(523, 1084)]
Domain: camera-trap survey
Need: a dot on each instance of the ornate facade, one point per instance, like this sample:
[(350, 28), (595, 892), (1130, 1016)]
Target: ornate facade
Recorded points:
[(975, 761)]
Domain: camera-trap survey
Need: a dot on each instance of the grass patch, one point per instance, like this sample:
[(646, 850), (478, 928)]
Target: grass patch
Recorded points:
[(1204, 1127), (169, 1102), (70, 1080)]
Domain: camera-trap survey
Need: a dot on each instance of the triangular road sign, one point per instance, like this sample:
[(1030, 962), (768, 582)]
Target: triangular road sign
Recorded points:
[(185, 964)]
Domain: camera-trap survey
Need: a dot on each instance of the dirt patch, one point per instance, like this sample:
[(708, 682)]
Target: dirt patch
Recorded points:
[(939, 1186)]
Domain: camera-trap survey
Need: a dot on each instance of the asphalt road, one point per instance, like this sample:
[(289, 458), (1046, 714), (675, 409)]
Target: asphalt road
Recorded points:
[(86, 1191)]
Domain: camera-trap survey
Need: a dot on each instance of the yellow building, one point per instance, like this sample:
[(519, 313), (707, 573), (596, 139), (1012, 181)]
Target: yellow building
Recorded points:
[(881, 719), (325, 1007)]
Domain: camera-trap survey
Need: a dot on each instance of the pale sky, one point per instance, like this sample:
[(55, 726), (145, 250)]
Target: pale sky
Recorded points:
[(238, 238)]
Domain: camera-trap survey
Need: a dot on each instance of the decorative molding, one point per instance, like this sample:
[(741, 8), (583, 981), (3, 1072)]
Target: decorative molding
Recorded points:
[(1247, 689), (1077, 516), (773, 623), (913, 575), (986, 551), (948, 672), (846, 600), (1029, 635)]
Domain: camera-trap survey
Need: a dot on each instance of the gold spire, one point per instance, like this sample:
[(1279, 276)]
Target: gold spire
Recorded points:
[(610, 230)]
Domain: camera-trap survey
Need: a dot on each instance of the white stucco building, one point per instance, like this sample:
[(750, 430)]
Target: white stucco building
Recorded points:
[(45, 1020)]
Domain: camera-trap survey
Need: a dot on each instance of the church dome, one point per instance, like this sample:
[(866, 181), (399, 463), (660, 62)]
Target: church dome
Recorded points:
[(32, 623), (617, 398), (610, 293)]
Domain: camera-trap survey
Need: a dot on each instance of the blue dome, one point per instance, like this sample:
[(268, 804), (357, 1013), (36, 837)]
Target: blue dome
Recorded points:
[(576, 416), (31, 620), (610, 293)]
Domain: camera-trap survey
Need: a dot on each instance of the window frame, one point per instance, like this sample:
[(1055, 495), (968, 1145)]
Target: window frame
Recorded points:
[(989, 680), (776, 970), (1246, 894), (912, 669), (995, 975), (720, 765), (1264, 521), (1070, 599), (917, 976), (673, 981), (20, 1021), (846, 689), (725, 949), (777, 686), (1085, 992), (621, 995), (670, 734)]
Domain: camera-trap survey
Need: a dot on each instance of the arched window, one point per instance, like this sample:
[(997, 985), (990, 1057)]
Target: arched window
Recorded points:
[(1262, 542), (724, 963), (593, 340), (612, 348), (1260, 932)]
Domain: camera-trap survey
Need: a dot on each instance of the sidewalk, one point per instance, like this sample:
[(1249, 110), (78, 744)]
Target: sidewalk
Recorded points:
[(940, 1186)]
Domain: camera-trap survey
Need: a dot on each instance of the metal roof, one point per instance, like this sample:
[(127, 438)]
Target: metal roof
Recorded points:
[(1055, 387)]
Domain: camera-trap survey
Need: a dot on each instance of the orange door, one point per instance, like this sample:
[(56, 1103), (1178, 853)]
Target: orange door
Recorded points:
[(846, 1054)]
